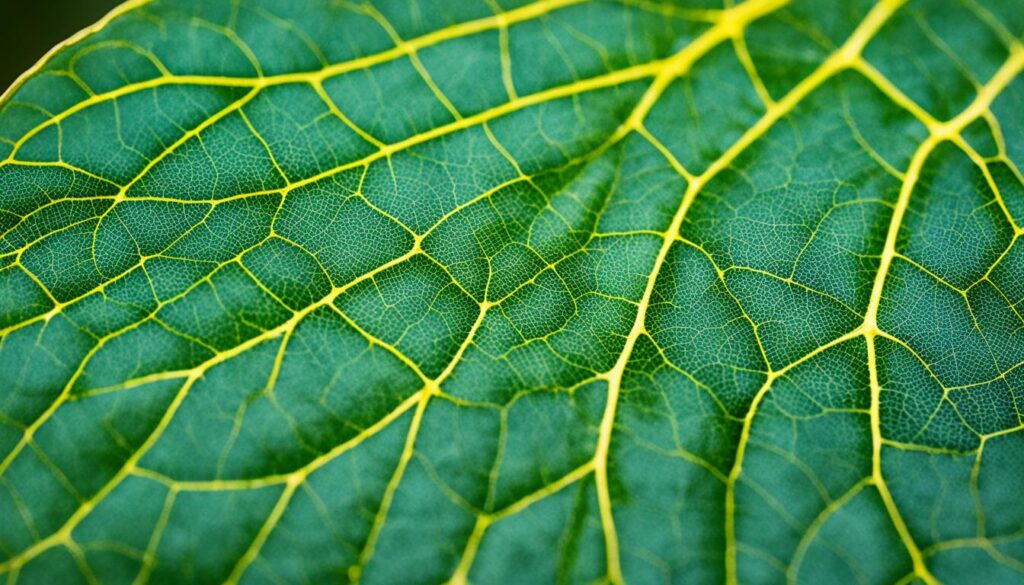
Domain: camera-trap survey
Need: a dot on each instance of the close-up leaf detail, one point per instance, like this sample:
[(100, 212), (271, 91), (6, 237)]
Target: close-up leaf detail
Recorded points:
[(492, 291)]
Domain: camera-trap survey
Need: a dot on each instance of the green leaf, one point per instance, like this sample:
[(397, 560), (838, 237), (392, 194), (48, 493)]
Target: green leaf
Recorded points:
[(408, 291)]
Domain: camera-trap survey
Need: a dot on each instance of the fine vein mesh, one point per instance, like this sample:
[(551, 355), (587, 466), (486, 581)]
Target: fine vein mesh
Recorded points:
[(500, 291)]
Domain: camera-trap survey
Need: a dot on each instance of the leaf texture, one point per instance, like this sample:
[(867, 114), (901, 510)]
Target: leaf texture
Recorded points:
[(409, 291)]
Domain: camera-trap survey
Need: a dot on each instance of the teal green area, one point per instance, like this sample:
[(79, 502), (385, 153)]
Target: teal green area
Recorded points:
[(516, 291)]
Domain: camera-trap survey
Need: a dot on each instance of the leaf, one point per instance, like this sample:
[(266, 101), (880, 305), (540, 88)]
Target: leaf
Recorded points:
[(623, 290)]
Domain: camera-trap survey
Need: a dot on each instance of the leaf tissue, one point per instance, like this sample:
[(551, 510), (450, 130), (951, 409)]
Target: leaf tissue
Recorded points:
[(500, 291)]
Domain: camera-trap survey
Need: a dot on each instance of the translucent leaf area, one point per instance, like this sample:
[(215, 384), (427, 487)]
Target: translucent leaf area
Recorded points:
[(490, 291)]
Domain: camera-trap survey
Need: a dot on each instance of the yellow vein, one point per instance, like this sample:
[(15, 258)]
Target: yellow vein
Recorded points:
[(938, 133), (401, 49), (731, 21)]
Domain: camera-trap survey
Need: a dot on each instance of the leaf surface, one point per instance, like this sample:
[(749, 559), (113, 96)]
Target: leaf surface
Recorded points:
[(497, 291)]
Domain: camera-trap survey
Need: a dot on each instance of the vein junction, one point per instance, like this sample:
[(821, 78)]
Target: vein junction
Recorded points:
[(517, 311)]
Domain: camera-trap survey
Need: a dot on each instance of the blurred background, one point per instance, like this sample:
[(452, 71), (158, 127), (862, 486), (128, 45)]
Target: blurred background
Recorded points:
[(30, 28)]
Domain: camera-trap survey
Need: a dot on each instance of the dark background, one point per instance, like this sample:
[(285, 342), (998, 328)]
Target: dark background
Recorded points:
[(30, 28)]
